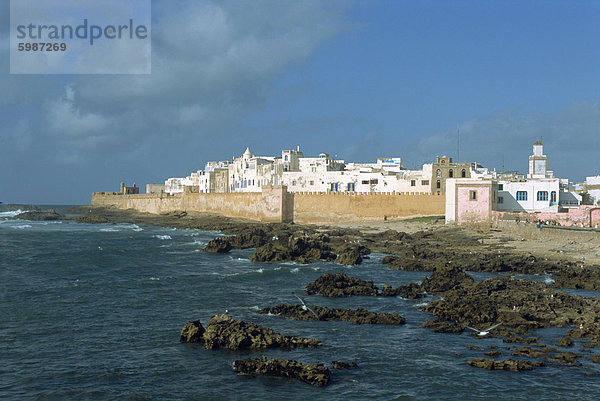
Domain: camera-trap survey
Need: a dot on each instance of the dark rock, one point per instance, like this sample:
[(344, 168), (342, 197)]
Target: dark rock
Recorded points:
[(565, 358), (311, 373), (438, 326), (565, 342), (91, 219), (13, 207), (409, 263), (341, 285), (493, 353), (224, 332), (218, 245), (343, 365), (192, 332), (445, 278), (409, 291), (304, 249), (358, 316), (528, 352), (512, 365), (46, 215), (350, 257)]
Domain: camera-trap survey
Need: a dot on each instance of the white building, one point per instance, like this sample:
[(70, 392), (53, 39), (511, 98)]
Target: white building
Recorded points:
[(592, 185)]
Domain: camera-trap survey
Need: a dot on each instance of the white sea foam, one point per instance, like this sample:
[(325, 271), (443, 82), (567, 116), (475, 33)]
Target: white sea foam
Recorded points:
[(295, 270), (12, 213), (109, 230), (154, 278), (22, 226), (163, 237), (260, 271)]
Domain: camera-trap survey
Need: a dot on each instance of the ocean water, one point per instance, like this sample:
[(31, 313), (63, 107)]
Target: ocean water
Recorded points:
[(93, 312)]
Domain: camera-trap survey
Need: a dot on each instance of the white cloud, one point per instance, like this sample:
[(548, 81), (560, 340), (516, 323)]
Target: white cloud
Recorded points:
[(571, 139)]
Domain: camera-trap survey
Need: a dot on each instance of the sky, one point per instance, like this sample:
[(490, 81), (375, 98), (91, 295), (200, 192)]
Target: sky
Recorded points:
[(358, 79)]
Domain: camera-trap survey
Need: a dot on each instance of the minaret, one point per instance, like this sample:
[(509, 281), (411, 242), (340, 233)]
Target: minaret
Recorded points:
[(538, 163)]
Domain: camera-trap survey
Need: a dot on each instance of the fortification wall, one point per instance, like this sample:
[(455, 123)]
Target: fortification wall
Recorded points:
[(275, 204), (335, 207), (268, 206), (150, 203)]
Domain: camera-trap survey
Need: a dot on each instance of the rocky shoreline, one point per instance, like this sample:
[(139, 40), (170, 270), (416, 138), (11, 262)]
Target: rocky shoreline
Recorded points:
[(448, 254)]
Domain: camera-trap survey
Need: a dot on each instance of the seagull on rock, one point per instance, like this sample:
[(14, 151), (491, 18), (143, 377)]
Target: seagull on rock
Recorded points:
[(486, 331), (306, 307)]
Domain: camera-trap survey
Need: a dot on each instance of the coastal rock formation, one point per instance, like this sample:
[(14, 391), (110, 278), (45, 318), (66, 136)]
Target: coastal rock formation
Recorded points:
[(350, 257), (303, 249), (343, 365), (409, 291), (358, 316), (445, 278), (91, 219), (409, 263), (438, 326), (218, 245), (192, 332), (13, 207), (223, 331), (341, 285), (46, 215), (311, 373), (513, 365)]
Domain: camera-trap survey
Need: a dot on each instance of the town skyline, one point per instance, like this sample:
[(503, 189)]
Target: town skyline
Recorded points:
[(358, 79)]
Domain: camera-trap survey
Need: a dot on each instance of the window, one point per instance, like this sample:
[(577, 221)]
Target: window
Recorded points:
[(463, 173), (350, 187), (472, 195), (286, 158), (500, 187), (374, 181), (521, 195), (500, 199), (542, 195), (312, 182), (365, 182), (553, 197), (438, 173), (443, 161), (294, 182), (413, 183), (425, 182), (438, 184), (450, 173), (334, 187)]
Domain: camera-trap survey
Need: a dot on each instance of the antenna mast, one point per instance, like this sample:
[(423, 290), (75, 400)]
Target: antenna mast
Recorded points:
[(457, 144)]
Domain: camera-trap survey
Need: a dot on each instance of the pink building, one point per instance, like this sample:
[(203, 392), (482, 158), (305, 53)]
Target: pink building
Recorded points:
[(470, 200)]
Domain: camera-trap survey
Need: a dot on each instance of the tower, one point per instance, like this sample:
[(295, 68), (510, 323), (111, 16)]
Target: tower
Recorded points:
[(538, 162)]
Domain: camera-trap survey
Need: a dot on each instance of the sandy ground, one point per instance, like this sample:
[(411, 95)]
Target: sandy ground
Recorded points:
[(573, 244)]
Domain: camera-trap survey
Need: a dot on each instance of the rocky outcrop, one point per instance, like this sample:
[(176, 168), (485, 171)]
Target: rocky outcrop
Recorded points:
[(192, 332), (409, 263), (513, 365), (343, 365), (311, 373), (46, 215), (350, 257), (438, 326), (341, 285), (446, 278), (13, 207), (218, 245), (304, 249), (358, 316), (91, 219), (409, 291), (223, 331)]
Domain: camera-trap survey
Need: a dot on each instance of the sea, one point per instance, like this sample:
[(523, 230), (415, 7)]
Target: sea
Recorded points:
[(94, 312)]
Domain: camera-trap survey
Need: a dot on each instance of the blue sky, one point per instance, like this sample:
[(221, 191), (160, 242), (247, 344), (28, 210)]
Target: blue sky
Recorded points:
[(358, 79)]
